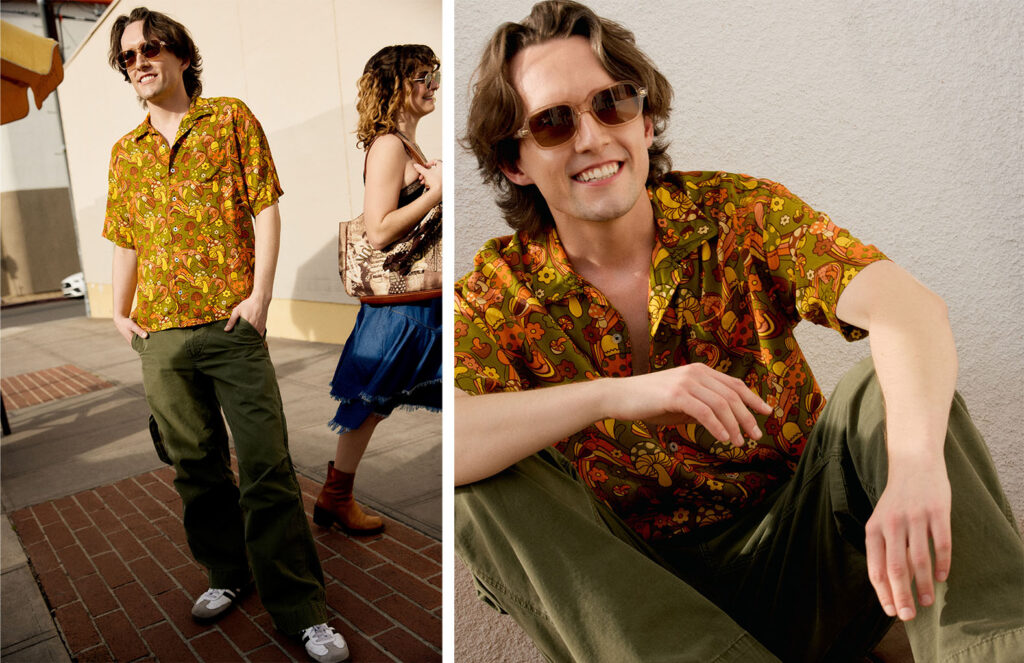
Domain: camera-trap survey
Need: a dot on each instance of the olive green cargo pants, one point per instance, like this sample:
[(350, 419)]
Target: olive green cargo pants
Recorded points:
[(787, 580), (189, 375)]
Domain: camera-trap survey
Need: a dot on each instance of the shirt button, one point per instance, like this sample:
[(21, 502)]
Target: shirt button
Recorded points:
[(174, 198), (172, 170)]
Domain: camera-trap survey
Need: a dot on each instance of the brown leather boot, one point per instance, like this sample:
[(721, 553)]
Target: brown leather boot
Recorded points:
[(335, 505)]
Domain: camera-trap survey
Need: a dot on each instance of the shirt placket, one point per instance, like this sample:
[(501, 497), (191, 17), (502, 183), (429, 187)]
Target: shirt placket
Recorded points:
[(666, 276)]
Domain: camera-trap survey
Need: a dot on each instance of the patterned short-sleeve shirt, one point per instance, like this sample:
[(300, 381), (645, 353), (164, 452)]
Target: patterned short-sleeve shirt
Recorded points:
[(187, 210), (737, 263)]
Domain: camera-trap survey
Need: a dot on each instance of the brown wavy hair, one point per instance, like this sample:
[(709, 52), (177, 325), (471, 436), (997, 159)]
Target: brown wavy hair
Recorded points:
[(496, 111), (384, 87), (161, 26)]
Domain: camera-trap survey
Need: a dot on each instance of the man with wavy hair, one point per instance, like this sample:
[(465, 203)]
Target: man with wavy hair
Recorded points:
[(648, 470), (192, 211)]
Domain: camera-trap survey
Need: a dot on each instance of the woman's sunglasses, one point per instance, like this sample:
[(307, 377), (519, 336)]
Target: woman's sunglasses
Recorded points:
[(150, 49), (429, 78), (611, 106)]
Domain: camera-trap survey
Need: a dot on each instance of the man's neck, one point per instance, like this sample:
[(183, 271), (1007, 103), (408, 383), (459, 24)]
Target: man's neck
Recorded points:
[(620, 244), (166, 115)]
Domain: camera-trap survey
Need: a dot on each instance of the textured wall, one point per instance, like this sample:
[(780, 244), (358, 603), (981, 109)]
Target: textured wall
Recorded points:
[(902, 120)]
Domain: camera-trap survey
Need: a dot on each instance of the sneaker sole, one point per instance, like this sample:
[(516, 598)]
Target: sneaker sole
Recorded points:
[(210, 619)]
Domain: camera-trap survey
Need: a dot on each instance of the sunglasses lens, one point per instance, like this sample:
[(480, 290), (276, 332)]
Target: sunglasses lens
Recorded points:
[(553, 126), (151, 49), (126, 59), (618, 104)]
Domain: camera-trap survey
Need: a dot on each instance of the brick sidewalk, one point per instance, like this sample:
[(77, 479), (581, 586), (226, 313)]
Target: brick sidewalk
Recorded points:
[(117, 573), (48, 385)]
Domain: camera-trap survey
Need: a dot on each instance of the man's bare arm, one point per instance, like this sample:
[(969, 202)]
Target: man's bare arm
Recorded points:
[(495, 431), (915, 360), (267, 225), (125, 278)]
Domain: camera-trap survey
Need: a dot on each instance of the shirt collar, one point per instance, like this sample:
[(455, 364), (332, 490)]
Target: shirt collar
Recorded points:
[(680, 228), (198, 108), (680, 225)]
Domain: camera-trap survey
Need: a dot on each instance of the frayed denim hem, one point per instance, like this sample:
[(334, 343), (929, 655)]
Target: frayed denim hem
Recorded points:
[(379, 405)]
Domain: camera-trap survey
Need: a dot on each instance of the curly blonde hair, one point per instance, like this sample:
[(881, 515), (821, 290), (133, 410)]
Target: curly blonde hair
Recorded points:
[(383, 88)]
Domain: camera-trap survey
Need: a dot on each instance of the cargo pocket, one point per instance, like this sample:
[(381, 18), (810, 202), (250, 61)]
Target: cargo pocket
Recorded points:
[(158, 443)]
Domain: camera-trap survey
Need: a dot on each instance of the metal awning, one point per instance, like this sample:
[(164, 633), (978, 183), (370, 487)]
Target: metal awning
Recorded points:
[(26, 61)]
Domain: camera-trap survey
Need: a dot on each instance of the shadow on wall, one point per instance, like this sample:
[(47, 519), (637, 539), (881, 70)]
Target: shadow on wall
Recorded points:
[(317, 280), (317, 181), (9, 272)]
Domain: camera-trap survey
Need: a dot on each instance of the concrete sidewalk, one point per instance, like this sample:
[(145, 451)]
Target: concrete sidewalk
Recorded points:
[(95, 511)]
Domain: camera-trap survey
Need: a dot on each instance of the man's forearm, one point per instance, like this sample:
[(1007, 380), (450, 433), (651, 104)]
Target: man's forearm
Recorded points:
[(495, 431), (124, 281), (267, 225), (915, 360)]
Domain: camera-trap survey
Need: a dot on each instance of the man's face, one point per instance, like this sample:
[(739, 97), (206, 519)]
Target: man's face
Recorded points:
[(599, 174), (157, 79)]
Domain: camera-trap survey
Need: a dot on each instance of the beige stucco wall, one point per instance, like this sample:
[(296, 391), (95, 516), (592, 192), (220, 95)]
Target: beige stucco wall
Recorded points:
[(902, 120), (295, 64)]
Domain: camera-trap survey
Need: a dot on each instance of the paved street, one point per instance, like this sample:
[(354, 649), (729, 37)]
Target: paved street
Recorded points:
[(93, 508)]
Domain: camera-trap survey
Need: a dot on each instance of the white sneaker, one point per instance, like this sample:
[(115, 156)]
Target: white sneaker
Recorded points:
[(324, 644), (213, 604)]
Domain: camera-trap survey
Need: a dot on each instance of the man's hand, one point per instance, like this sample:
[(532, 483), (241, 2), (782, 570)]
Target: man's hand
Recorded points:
[(253, 310), (913, 508), (126, 327), (693, 393)]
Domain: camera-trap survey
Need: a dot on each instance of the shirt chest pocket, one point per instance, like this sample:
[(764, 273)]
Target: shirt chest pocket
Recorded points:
[(203, 159), (204, 168)]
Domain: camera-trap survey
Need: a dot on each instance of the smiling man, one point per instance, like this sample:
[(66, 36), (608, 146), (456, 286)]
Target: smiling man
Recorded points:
[(648, 470), (192, 211)]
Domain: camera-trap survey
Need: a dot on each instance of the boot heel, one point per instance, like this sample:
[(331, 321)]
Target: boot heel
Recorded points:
[(322, 517)]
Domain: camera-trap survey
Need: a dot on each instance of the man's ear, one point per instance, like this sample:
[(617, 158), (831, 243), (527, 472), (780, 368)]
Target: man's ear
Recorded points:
[(648, 130), (515, 175)]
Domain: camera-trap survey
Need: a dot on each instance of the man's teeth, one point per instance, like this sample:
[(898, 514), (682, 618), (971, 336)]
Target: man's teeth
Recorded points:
[(599, 173)]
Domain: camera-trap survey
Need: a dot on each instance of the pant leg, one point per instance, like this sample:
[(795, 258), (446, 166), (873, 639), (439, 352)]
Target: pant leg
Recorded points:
[(978, 614), (792, 570), (280, 546), (188, 416), (797, 578), (575, 578)]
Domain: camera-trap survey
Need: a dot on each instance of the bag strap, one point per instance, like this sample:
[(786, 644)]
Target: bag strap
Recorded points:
[(410, 148)]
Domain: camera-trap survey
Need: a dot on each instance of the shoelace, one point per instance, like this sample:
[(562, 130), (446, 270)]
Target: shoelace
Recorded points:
[(214, 594), (321, 634)]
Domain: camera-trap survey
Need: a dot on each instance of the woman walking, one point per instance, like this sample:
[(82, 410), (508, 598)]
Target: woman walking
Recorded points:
[(393, 356)]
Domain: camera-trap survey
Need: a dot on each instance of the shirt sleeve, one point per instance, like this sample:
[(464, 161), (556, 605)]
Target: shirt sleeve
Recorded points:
[(811, 260), (117, 225), (262, 185), (481, 364)]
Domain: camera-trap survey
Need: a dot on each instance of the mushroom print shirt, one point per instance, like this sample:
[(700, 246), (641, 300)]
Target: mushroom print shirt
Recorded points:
[(737, 263), (187, 210)]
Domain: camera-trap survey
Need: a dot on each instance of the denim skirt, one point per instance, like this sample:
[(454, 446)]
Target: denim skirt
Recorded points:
[(391, 359)]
